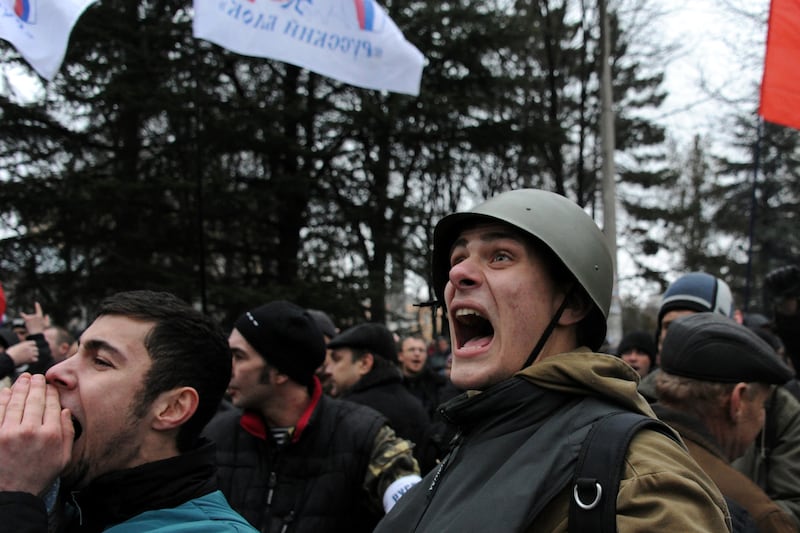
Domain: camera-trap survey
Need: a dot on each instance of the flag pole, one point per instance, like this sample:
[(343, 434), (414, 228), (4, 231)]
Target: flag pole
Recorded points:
[(198, 177), (607, 134)]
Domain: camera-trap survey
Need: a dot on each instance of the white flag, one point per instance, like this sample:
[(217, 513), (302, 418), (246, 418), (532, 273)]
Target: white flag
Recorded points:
[(39, 30), (353, 41)]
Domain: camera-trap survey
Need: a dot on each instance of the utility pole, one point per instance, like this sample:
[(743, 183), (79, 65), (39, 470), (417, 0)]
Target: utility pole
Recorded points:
[(607, 134)]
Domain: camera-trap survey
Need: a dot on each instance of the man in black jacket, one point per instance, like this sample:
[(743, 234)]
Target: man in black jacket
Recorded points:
[(432, 389), (363, 369), (294, 459)]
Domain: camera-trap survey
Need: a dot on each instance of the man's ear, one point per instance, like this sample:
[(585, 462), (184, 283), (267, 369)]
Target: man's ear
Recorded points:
[(578, 306), (174, 407), (364, 365), (737, 400), (280, 378)]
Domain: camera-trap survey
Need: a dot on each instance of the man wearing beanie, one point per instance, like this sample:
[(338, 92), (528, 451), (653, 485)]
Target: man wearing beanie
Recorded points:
[(783, 287), (715, 379), (291, 457), (696, 292), (363, 369), (638, 350)]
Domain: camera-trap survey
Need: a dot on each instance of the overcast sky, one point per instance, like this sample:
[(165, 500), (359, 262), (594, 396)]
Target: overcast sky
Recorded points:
[(721, 49)]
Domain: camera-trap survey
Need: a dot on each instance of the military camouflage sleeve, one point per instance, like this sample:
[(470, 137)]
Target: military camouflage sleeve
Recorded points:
[(392, 468)]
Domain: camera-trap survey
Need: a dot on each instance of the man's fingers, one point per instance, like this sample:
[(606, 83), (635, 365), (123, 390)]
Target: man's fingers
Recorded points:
[(35, 435), (37, 306), (68, 434), (36, 401), (16, 404), (52, 408), (54, 414), (5, 397)]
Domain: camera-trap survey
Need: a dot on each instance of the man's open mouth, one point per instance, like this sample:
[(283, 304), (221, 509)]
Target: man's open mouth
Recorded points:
[(78, 428), (472, 329)]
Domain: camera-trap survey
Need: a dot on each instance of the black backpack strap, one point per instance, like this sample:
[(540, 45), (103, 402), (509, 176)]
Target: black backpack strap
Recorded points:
[(593, 502)]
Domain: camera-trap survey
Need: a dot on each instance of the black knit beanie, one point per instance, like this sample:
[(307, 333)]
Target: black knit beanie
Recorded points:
[(286, 336), (639, 340)]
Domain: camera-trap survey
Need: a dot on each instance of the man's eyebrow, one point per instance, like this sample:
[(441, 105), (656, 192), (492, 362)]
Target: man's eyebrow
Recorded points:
[(97, 345), (488, 237)]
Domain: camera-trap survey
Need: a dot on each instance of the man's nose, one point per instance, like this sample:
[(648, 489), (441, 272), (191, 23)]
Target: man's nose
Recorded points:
[(465, 274)]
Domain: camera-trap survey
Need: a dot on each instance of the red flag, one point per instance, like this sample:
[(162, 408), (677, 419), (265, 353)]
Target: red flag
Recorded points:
[(2, 303), (780, 86)]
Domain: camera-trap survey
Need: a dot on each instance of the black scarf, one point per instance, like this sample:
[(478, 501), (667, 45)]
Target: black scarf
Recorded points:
[(118, 496)]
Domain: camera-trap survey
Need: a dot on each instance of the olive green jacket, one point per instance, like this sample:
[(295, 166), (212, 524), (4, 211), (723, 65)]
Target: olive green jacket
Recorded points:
[(662, 488), (512, 467)]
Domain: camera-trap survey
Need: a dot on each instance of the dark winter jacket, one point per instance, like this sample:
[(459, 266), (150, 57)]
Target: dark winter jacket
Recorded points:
[(518, 449), (312, 483), (382, 389), (431, 389)]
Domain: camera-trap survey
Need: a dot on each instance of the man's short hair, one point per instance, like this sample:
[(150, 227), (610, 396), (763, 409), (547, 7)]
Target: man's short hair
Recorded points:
[(412, 337), (62, 335), (187, 349), (704, 399), (358, 354)]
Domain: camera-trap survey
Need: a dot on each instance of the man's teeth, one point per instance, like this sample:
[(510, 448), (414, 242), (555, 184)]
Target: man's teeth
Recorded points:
[(468, 312)]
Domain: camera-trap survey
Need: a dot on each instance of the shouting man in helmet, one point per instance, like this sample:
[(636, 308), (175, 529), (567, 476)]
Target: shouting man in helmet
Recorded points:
[(526, 278)]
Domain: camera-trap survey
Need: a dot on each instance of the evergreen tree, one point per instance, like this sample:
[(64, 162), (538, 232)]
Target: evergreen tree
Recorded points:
[(762, 183), (156, 160)]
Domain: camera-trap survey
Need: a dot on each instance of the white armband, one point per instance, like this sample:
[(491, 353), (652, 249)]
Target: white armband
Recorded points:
[(397, 489)]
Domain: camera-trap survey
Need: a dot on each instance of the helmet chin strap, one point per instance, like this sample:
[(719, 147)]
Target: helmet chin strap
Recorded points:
[(548, 330)]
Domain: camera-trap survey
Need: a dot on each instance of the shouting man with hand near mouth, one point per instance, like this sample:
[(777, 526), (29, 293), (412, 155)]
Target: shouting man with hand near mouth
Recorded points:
[(526, 278), (116, 426)]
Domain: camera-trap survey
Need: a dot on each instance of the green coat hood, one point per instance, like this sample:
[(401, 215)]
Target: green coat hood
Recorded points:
[(587, 373)]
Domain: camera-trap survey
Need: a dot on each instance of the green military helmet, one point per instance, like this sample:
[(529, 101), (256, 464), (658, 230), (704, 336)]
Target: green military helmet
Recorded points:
[(556, 221)]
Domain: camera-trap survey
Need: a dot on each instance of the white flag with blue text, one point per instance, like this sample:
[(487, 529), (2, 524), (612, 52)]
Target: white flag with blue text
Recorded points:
[(39, 30), (353, 41)]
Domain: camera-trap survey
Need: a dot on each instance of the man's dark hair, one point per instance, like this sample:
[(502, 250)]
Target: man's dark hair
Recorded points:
[(377, 360), (187, 349)]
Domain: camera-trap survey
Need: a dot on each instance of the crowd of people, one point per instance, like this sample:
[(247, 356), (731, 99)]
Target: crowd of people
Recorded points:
[(155, 420)]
